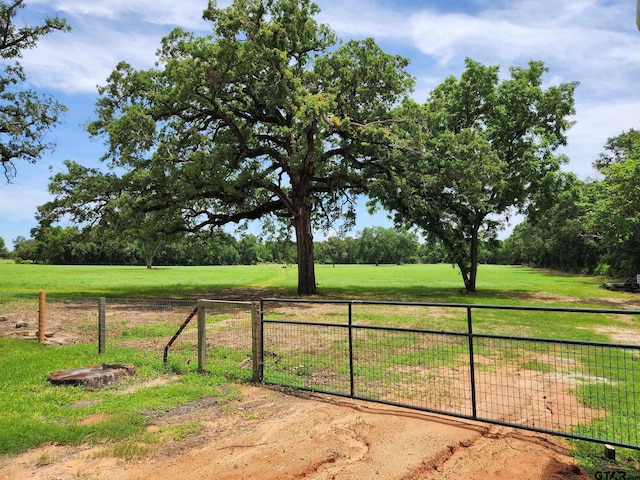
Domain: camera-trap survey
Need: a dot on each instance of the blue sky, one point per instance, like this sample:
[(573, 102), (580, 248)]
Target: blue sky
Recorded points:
[(595, 42)]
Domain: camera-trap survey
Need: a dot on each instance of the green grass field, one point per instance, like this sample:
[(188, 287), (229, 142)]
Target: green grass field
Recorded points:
[(496, 284), (54, 414)]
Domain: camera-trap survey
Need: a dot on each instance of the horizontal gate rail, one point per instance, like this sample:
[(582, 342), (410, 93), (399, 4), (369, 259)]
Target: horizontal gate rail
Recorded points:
[(473, 306), (586, 390), (455, 334)]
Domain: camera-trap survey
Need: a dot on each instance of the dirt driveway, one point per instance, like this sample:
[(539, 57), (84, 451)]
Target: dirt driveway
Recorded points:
[(269, 434)]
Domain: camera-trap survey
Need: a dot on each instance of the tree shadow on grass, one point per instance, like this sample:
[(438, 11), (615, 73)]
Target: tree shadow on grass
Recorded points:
[(490, 297), (421, 294), (177, 292)]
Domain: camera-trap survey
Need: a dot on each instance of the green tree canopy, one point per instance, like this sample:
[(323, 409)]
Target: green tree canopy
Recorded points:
[(4, 252), (558, 236), (590, 227), (385, 245), (266, 116), (24, 249), (615, 215), (25, 116), (482, 148)]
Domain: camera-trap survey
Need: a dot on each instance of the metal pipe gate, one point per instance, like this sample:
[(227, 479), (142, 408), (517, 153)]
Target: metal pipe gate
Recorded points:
[(585, 390)]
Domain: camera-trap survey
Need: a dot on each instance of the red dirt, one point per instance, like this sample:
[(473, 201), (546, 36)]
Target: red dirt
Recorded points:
[(271, 435)]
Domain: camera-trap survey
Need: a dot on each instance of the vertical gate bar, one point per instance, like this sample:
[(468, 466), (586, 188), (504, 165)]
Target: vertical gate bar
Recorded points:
[(202, 335), (472, 369), (261, 342), (351, 380), (256, 343), (102, 324)]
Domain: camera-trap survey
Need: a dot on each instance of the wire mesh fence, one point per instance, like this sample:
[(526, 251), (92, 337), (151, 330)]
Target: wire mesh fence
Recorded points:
[(409, 367), (68, 320), (424, 356), (148, 324), (171, 328), (585, 390), (225, 329), (307, 356)]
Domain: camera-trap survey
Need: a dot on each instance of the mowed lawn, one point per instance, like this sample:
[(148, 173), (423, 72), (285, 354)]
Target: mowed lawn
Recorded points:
[(497, 285), (134, 281), (433, 283)]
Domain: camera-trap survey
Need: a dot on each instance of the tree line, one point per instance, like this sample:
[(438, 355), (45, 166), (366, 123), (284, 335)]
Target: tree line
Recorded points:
[(72, 246), (591, 226)]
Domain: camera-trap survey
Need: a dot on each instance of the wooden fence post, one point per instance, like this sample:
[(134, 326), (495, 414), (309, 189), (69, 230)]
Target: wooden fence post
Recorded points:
[(102, 325), (41, 317), (256, 343)]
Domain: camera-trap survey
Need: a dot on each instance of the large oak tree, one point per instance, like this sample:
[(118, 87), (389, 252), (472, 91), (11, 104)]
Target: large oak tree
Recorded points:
[(267, 116)]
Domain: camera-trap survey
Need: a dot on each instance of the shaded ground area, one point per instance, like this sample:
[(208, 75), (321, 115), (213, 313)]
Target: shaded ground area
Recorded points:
[(272, 435)]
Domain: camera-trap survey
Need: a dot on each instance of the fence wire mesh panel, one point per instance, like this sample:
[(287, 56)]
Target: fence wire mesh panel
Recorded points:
[(67, 320), (590, 390), (307, 356), (412, 368), (228, 328), (150, 324), (430, 358)]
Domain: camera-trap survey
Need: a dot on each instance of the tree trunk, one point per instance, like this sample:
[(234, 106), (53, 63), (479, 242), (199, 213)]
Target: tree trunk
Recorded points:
[(304, 247), (473, 271), (466, 276)]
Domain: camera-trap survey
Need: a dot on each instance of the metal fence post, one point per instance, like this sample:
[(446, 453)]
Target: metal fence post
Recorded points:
[(351, 374), (202, 335), (102, 324), (256, 342), (472, 369)]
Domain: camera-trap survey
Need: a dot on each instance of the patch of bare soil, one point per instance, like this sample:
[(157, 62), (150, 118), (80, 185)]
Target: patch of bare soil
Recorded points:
[(65, 323), (624, 336), (272, 435)]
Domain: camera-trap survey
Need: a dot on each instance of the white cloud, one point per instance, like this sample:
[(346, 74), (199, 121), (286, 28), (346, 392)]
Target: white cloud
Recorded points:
[(104, 32), (556, 34), (186, 13), (597, 123), (74, 66), (362, 18), (449, 37)]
